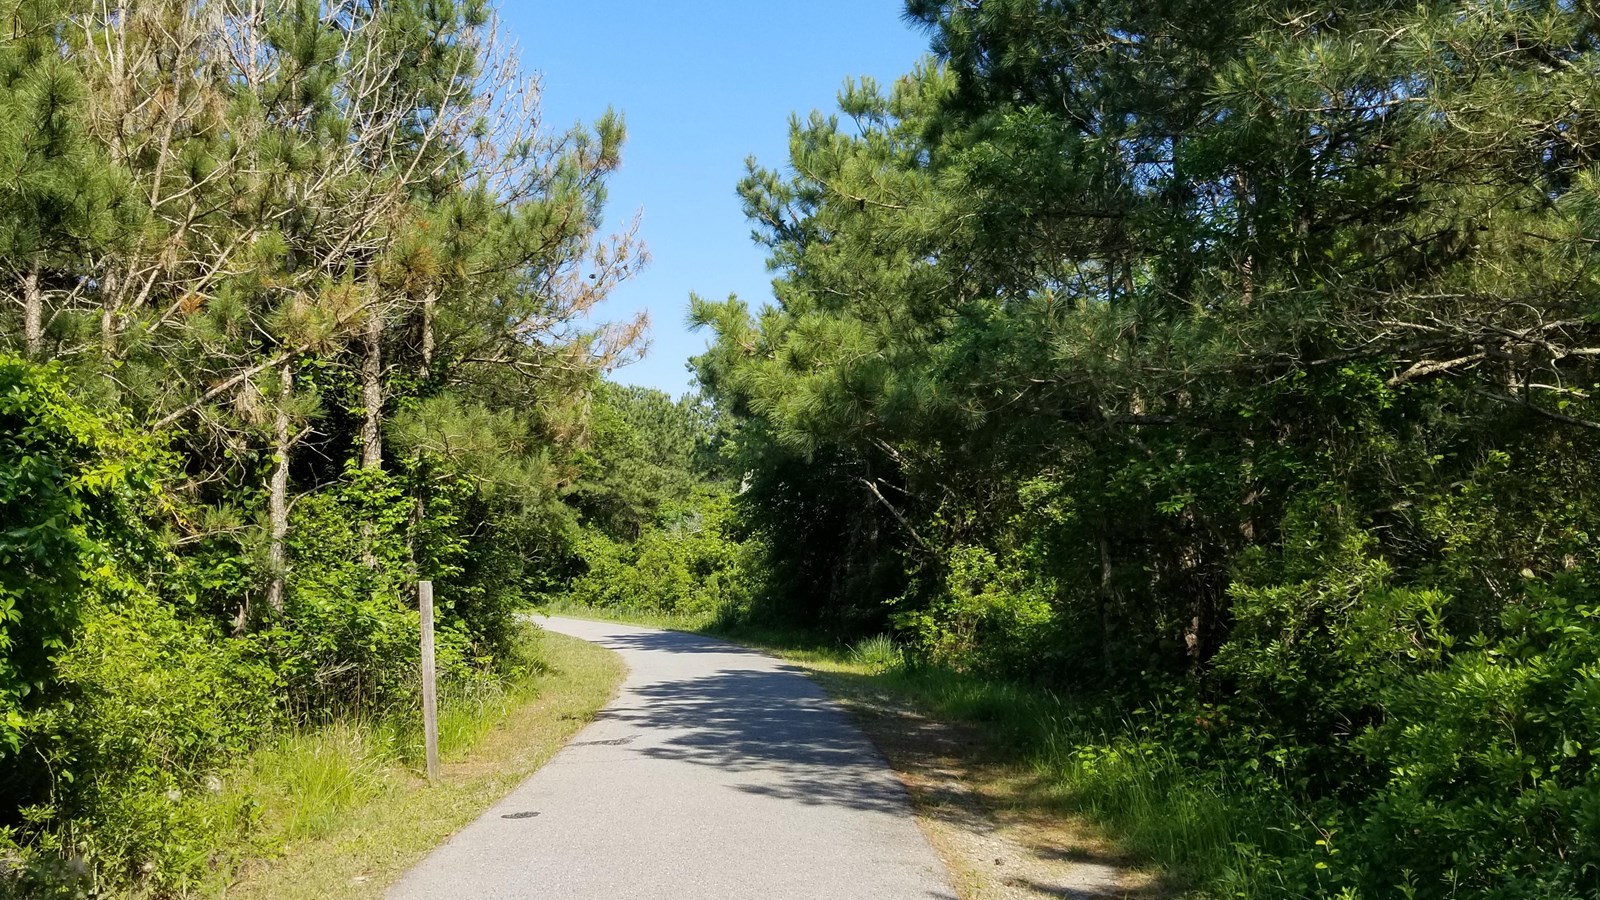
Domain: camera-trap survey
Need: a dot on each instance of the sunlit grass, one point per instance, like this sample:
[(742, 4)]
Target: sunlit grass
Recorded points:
[(1094, 764), (305, 781), (877, 654), (342, 810), (469, 713)]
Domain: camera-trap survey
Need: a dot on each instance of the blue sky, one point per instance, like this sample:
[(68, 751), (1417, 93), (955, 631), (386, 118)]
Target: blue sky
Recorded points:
[(703, 85)]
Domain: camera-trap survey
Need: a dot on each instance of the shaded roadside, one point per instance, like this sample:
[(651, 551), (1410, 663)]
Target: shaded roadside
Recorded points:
[(990, 819)]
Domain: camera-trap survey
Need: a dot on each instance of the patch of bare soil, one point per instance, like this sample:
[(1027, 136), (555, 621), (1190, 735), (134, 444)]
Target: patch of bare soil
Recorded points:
[(990, 820)]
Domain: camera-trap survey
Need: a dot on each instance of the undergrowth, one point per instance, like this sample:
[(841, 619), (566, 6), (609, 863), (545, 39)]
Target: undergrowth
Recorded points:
[(305, 780), (345, 810)]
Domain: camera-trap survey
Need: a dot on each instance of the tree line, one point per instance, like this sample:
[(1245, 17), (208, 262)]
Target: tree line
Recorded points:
[(297, 311), (1227, 367)]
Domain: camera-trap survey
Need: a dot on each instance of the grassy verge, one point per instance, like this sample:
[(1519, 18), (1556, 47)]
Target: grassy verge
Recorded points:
[(1113, 789), (341, 811), (1127, 796)]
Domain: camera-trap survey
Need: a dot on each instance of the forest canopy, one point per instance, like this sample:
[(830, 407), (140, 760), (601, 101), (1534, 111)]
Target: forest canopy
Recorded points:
[(1233, 363)]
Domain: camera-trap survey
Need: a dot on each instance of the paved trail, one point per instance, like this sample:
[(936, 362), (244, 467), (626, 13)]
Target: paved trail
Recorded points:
[(718, 773)]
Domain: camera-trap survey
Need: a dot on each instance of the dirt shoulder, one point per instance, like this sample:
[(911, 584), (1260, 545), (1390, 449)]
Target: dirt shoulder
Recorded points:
[(987, 817)]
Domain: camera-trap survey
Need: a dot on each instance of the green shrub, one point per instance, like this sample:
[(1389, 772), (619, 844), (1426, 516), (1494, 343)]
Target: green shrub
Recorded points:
[(878, 654), (123, 703), (154, 708), (692, 567), (1493, 784), (73, 488), (347, 640), (985, 616), (1316, 639), (114, 708)]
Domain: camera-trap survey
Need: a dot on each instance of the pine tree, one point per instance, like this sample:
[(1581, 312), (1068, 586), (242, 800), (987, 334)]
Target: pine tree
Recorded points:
[(62, 201)]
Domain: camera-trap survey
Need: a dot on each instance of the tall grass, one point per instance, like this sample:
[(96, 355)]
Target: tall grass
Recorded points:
[(305, 780), (302, 782), (1202, 826), (468, 712), (1205, 828), (877, 654), (341, 810), (1157, 803)]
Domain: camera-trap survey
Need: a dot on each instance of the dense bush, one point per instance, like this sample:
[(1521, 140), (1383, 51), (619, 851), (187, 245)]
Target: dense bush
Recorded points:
[(156, 708), (346, 642), (985, 616), (1490, 781), (74, 491), (130, 682), (119, 706), (692, 566)]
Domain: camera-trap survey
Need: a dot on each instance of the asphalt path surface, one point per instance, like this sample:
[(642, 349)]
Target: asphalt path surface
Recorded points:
[(718, 773)]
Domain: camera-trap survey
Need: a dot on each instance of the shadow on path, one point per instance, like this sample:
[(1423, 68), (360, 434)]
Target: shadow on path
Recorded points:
[(674, 642), (776, 726)]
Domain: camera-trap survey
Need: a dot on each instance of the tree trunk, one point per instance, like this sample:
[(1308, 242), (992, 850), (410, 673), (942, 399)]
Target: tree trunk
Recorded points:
[(419, 515), (372, 422), (111, 297), (372, 392), (278, 494), (108, 325), (32, 314), (1247, 280), (426, 369), (1106, 598)]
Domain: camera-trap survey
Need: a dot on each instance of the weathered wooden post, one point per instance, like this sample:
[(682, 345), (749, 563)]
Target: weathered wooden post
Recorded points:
[(430, 696)]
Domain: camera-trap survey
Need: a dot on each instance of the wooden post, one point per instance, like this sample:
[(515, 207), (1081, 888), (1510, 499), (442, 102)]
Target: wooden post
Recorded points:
[(430, 696)]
